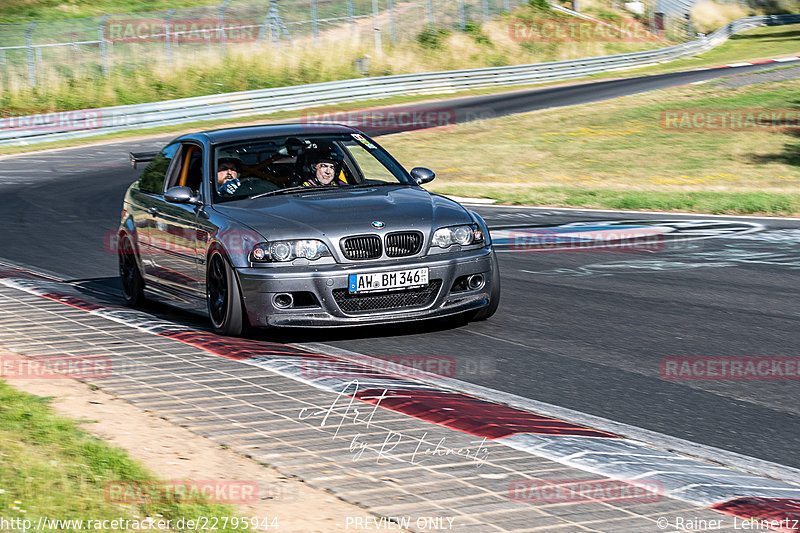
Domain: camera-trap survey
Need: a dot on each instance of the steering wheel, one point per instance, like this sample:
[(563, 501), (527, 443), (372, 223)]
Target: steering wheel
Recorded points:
[(253, 185)]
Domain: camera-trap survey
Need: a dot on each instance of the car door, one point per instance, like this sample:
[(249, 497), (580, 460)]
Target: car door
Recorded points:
[(174, 236), (145, 203)]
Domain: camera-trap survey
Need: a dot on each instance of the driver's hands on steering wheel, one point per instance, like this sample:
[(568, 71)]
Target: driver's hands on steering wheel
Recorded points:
[(230, 186)]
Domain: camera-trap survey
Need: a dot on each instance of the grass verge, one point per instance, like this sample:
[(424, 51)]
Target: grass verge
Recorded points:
[(617, 155), (725, 203), (50, 468)]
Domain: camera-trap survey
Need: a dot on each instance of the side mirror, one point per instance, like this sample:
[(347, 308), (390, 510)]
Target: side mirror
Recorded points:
[(181, 195), (422, 175)]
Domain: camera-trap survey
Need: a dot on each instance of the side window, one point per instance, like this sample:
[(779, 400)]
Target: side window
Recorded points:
[(152, 180), (188, 170)]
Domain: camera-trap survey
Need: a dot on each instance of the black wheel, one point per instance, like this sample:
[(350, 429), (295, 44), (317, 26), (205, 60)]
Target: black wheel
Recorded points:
[(223, 297), (494, 297), (131, 278)]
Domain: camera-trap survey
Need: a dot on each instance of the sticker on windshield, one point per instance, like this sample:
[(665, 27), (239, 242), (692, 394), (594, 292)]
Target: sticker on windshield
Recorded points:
[(364, 141)]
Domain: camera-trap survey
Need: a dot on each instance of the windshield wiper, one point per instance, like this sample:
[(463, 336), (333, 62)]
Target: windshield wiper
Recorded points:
[(324, 188), (293, 189)]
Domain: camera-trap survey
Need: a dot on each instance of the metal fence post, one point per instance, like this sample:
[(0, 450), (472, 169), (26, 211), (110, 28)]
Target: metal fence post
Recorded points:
[(392, 28), (486, 10), (3, 70), (277, 29), (377, 27), (101, 36), (462, 16), (314, 23), (264, 28), (167, 38), (31, 58), (350, 13), (507, 5), (430, 13), (221, 25)]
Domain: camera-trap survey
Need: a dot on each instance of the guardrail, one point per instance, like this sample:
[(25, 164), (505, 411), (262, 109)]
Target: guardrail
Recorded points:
[(75, 124)]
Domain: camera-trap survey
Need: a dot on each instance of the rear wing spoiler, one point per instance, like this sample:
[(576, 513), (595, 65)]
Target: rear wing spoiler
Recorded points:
[(141, 157)]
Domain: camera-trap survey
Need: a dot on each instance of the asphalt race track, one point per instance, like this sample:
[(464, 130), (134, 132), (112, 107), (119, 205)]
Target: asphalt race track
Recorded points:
[(470, 108), (583, 329)]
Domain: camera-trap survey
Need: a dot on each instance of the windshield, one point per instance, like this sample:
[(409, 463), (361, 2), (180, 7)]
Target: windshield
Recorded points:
[(285, 165)]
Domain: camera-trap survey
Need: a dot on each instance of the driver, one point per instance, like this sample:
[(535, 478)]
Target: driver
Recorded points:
[(325, 169), (228, 170)]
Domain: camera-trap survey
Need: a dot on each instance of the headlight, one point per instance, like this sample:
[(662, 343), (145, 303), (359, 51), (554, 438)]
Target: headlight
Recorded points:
[(281, 251), (463, 235)]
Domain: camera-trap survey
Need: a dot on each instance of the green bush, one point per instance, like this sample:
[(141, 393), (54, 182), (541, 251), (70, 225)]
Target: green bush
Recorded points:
[(543, 5), (432, 38), (475, 31)]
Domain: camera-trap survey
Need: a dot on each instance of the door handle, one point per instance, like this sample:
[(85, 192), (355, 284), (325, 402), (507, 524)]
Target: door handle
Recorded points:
[(153, 211)]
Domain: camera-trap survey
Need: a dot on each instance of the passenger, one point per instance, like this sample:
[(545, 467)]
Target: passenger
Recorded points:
[(325, 171)]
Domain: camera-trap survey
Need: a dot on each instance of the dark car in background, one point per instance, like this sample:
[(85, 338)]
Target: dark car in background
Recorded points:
[(275, 248)]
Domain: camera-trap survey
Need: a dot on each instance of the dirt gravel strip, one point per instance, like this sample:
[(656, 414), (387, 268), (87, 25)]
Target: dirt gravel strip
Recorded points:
[(274, 419)]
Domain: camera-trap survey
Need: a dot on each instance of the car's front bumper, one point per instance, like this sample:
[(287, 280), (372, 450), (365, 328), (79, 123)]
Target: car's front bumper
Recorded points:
[(329, 284)]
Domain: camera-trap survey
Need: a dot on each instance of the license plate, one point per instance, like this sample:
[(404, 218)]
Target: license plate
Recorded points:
[(386, 281)]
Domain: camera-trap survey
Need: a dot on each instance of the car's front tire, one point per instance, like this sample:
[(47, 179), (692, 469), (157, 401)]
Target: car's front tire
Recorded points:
[(129, 274), (494, 297), (223, 297)]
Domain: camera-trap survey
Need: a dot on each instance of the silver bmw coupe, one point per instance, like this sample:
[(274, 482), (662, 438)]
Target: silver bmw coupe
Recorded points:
[(301, 225)]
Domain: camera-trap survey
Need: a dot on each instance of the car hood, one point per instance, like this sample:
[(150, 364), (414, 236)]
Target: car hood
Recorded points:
[(336, 213)]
